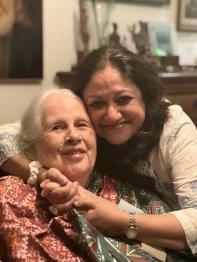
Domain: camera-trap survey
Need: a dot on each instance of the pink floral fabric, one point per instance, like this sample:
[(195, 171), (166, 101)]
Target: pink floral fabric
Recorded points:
[(30, 233)]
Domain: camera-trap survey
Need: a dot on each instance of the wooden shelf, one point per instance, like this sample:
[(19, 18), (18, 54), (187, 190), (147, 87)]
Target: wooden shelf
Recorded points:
[(65, 79), (181, 89)]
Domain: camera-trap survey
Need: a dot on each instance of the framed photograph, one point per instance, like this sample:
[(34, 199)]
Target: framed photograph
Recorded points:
[(21, 40), (187, 15), (146, 2), (161, 38)]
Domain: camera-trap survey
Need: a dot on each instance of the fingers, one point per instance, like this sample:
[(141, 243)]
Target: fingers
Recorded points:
[(57, 194), (64, 194), (47, 187), (62, 208), (82, 204), (56, 176), (53, 209), (82, 201), (85, 199), (58, 190), (41, 174), (70, 189)]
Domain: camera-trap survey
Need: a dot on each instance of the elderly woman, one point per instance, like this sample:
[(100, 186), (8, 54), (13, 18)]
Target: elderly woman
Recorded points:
[(57, 132)]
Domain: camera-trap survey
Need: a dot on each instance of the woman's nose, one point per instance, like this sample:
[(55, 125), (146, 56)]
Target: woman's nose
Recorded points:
[(112, 113), (72, 137)]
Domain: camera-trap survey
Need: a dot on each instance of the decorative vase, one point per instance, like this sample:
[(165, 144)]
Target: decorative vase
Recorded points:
[(97, 21)]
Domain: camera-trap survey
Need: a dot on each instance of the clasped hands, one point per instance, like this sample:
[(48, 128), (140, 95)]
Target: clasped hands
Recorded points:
[(64, 194)]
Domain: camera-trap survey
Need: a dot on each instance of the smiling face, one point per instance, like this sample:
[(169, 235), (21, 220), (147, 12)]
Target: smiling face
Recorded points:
[(115, 105), (7, 16), (67, 140)]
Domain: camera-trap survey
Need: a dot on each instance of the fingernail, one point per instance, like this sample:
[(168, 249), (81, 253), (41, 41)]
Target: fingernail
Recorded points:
[(43, 194), (53, 210), (75, 204)]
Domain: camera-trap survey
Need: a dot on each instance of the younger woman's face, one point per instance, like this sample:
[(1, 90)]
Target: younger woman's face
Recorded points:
[(115, 105)]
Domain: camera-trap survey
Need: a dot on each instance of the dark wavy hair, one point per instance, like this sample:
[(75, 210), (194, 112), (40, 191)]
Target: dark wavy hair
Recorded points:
[(135, 69)]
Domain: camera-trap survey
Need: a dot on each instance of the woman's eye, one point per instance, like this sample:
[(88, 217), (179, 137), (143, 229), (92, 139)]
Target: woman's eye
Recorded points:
[(123, 100), (83, 124), (97, 104), (57, 127)]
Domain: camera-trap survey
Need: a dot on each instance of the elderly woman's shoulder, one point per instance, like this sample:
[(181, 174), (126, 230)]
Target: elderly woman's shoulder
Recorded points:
[(10, 179), (10, 182), (13, 189)]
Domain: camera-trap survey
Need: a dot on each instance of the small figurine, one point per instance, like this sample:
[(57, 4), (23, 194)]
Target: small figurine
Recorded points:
[(114, 37), (84, 25), (139, 33)]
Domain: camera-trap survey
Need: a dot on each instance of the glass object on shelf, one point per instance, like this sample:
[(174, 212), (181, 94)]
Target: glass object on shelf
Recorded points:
[(98, 21), (83, 24), (161, 38)]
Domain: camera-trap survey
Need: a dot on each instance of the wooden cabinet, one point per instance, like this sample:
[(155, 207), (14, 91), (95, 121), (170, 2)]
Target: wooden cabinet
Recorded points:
[(179, 87), (65, 79)]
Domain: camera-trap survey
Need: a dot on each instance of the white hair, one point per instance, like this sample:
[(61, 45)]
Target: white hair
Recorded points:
[(31, 121)]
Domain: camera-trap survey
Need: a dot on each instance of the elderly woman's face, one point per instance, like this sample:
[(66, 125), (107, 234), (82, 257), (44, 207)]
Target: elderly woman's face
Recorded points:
[(7, 16), (115, 105), (67, 141)]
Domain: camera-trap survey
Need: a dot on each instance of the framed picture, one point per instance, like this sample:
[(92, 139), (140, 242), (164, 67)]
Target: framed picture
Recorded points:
[(187, 15), (21, 40), (161, 38), (147, 2)]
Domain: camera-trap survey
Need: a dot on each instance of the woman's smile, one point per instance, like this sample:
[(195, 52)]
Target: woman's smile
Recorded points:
[(115, 126), (74, 154)]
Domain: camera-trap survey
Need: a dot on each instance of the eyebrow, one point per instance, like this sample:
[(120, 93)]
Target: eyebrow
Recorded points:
[(116, 93), (84, 119)]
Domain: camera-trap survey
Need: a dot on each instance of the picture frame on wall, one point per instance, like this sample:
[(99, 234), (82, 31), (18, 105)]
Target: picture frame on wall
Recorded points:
[(187, 15), (21, 38), (161, 38), (146, 2)]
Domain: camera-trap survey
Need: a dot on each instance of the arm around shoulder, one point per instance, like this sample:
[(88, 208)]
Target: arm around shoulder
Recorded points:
[(11, 159)]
